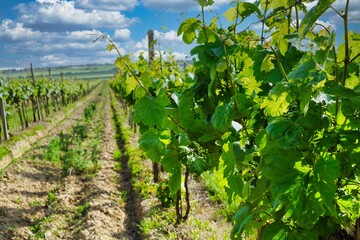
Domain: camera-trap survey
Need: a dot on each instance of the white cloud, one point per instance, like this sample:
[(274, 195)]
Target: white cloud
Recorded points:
[(180, 5), (107, 4), (59, 15), (16, 32), (167, 36), (174, 5), (122, 35)]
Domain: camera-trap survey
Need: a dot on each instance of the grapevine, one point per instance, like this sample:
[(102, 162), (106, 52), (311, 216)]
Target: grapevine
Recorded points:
[(282, 118)]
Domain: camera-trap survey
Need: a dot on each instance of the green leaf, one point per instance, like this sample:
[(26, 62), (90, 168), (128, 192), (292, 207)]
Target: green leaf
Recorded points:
[(175, 180), (110, 47), (242, 9), (241, 218), (170, 161), (150, 143), (148, 111), (327, 170), (131, 84), (280, 98), (228, 157), (302, 71), (267, 65), (274, 231), (313, 15), (286, 133), (278, 127), (230, 14), (162, 98), (337, 90), (282, 171), (205, 3), (245, 104), (188, 29), (185, 113), (222, 116)]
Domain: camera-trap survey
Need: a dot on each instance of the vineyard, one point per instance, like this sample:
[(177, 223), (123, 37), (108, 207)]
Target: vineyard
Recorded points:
[(257, 138)]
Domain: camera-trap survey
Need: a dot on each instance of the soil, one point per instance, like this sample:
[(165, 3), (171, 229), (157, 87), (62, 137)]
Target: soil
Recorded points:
[(38, 202)]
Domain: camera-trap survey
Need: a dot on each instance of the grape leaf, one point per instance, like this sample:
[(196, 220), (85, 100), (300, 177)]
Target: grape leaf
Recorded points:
[(188, 29), (312, 16), (222, 116), (148, 111)]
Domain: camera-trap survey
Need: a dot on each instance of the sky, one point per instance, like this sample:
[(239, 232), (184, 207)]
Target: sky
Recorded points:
[(50, 33)]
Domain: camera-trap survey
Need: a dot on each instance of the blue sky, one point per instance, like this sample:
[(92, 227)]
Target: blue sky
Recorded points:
[(60, 32)]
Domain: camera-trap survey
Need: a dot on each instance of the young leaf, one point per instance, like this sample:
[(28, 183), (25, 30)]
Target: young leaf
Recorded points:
[(110, 47), (188, 29)]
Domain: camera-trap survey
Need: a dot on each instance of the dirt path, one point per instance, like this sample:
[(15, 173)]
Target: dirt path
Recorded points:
[(37, 202)]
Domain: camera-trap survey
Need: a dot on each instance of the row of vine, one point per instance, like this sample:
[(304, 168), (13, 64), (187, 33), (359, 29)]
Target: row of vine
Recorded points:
[(278, 110), (42, 96)]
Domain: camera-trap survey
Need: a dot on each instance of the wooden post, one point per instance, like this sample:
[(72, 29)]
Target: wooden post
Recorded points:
[(4, 120), (150, 34), (37, 97)]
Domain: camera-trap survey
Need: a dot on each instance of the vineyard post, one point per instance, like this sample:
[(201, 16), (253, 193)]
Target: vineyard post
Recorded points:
[(4, 120), (150, 35), (37, 97)]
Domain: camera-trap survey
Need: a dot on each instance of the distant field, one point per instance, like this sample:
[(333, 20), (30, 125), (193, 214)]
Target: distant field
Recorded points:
[(71, 72)]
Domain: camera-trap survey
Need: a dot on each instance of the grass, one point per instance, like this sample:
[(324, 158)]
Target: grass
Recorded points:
[(4, 151), (71, 72), (81, 210), (52, 200), (216, 184)]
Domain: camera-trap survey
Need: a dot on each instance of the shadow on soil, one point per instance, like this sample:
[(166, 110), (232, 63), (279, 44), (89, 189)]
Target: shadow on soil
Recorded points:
[(133, 207)]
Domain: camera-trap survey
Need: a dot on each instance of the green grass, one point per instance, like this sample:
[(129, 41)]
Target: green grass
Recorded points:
[(4, 151), (77, 72)]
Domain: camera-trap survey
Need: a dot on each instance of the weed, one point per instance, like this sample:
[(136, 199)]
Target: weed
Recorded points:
[(65, 141), (35, 203), (17, 200), (117, 166), (52, 200), (38, 127), (39, 229), (80, 131), (117, 154), (81, 210), (89, 111), (4, 151), (123, 197), (95, 152), (52, 152), (216, 185)]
